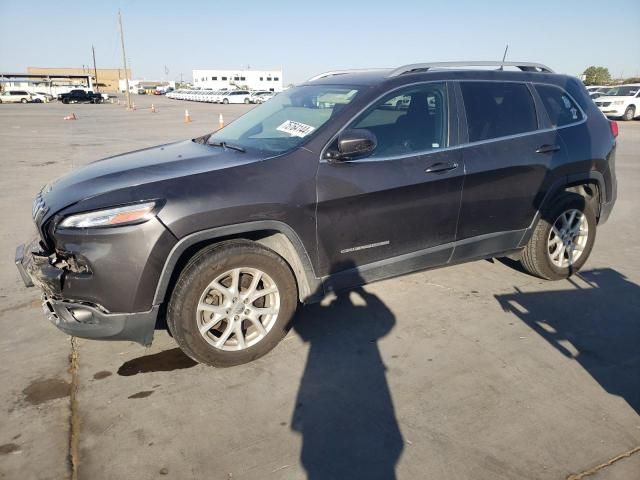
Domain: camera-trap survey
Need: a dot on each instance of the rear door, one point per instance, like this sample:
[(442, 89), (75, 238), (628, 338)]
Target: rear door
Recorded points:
[(403, 199), (508, 156)]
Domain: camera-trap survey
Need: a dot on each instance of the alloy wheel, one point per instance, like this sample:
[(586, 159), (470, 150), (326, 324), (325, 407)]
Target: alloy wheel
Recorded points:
[(568, 238), (238, 309)]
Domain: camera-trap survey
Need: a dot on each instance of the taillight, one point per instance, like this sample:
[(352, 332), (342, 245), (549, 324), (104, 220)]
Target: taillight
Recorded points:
[(614, 128)]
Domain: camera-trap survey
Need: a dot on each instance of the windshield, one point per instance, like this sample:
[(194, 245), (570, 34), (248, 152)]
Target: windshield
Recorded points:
[(287, 119), (624, 91)]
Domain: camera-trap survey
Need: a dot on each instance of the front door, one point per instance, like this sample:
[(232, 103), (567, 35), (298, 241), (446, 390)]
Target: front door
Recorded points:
[(401, 201)]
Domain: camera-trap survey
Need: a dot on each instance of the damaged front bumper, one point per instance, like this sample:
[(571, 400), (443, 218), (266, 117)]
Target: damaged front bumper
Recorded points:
[(78, 318)]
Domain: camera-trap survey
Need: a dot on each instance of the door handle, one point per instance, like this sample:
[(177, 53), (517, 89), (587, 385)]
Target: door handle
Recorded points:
[(548, 148), (440, 167)]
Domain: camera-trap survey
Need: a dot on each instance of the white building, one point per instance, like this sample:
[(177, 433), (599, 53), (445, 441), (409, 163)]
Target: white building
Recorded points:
[(135, 86), (246, 79)]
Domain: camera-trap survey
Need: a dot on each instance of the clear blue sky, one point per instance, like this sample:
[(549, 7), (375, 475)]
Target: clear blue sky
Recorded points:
[(310, 36)]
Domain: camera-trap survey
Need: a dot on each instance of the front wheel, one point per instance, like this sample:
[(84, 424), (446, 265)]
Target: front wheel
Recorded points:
[(225, 101), (24, 100), (562, 240), (629, 113), (233, 302), (247, 101)]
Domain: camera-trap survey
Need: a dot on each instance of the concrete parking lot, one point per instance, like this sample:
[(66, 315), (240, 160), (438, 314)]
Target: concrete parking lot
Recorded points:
[(474, 371)]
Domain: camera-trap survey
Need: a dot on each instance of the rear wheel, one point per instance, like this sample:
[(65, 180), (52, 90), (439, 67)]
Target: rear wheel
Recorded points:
[(629, 113), (225, 101), (232, 303), (562, 240)]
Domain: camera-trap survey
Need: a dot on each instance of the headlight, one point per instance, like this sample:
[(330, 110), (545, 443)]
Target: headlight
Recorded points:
[(617, 102), (110, 217)]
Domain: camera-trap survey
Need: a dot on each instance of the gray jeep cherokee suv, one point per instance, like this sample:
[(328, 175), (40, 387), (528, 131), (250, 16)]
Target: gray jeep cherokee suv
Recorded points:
[(348, 178)]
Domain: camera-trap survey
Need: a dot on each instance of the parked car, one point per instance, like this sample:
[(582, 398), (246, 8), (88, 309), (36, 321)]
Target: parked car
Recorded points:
[(324, 188), (47, 96), (236, 96), (622, 102), (202, 95), (256, 93), (190, 95), (80, 96), (217, 98), (263, 97), (37, 98), (15, 96), (211, 98)]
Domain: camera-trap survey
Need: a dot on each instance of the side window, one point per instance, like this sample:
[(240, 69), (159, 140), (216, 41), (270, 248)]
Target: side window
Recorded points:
[(498, 109), (561, 109), (410, 120)]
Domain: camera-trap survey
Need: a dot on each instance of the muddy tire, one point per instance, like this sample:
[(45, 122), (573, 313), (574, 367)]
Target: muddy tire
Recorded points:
[(233, 303)]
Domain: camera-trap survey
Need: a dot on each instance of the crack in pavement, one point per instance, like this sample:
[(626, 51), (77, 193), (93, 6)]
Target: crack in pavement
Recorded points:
[(74, 418), (597, 468)]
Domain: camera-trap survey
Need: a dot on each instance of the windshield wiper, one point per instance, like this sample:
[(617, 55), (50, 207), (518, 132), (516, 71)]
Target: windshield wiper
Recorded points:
[(226, 145)]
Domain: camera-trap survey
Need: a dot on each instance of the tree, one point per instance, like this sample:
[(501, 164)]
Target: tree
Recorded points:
[(597, 76)]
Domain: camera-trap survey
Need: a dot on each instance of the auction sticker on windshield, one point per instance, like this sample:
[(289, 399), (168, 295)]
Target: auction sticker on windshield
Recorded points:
[(295, 129)]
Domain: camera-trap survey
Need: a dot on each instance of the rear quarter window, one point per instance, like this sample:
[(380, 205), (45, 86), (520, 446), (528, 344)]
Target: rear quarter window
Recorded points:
[(498, 109), (561, 108)]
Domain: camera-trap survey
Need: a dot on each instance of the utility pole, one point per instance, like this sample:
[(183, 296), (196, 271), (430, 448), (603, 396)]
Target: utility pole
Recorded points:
[(95, 70), (124, 61)]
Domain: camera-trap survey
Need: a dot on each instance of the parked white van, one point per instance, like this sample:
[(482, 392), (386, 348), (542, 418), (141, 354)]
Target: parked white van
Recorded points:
[(15, 96), (622, 101)]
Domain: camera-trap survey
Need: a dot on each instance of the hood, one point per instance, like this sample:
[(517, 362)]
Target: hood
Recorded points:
[(136, 168)]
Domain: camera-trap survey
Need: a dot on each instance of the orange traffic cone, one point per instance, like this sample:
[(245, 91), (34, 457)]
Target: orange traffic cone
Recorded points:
[(220, 121), (153, 108), (71, 117), (187, 117)]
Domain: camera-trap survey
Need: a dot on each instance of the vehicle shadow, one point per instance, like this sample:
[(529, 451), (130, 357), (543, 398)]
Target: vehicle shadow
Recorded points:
[(597, 324), (344, 409)]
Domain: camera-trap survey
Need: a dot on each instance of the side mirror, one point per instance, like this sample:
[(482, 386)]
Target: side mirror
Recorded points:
[(354, 143)]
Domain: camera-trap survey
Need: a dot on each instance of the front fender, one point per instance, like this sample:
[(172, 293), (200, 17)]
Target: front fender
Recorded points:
[(309, 286)]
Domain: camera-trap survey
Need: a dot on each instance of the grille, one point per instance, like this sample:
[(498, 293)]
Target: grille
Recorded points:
[(604, 104)]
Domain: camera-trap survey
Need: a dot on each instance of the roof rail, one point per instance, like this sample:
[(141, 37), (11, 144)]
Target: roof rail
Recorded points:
[(343, 72), (423, 67)]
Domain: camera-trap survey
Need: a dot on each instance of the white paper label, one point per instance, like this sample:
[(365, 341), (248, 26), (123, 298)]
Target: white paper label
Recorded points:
[(295, 129)]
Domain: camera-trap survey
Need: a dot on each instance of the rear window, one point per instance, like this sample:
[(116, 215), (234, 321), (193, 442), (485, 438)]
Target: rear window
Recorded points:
[(562, 110), (498, 109)]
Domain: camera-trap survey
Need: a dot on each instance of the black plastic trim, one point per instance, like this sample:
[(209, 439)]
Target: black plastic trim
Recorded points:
[(311, 281)]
